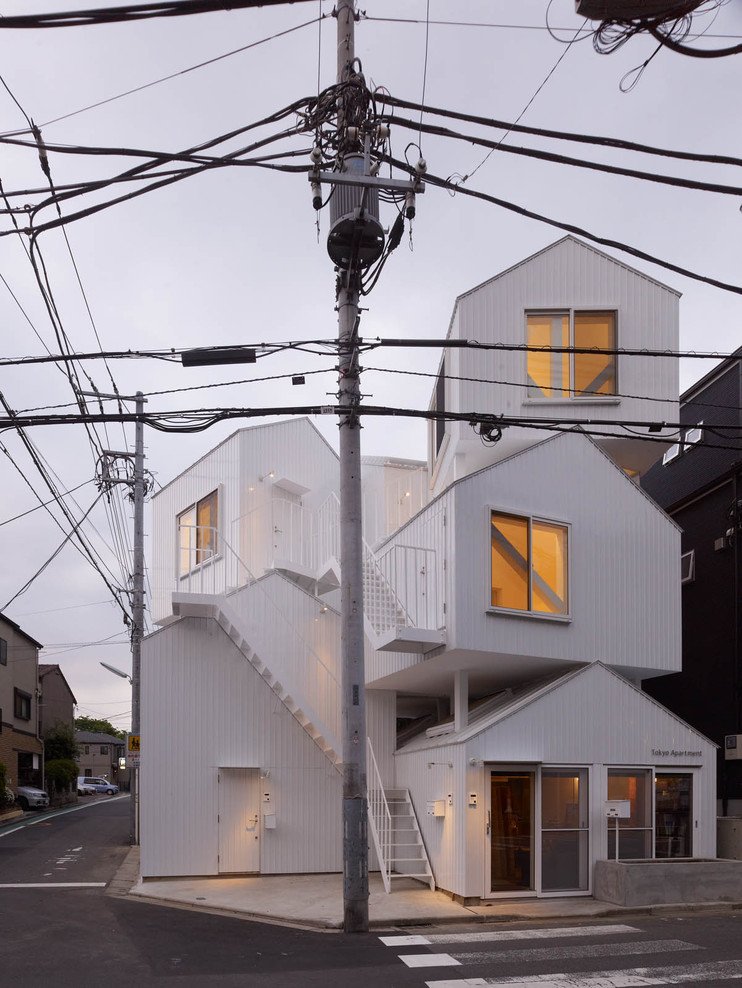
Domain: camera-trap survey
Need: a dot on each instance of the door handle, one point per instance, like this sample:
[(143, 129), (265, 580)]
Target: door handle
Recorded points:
[(489, 821)]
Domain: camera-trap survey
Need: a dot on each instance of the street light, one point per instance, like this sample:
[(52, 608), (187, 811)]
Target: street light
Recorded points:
[(116, 672)]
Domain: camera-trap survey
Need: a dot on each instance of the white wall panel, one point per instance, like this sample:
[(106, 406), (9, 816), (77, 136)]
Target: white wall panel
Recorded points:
[(204, 707)]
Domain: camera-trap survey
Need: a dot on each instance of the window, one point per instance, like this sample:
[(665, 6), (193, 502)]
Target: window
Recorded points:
[(529, 564), (671, 454), (104, 749), (197, 533), (559, 375), (688, 566), (694, 436), (22, 705), (88, 772), (691, 438), (87, 749), (565, 829), (3, 652), (635, 832), (439, 405)]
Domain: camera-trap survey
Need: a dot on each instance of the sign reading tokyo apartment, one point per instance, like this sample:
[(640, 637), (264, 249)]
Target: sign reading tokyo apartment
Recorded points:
[(674, 753)]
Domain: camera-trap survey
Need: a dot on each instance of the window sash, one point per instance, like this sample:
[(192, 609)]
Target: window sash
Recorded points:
[(22, 705), (197, 533), (568, 376), (529, 564)]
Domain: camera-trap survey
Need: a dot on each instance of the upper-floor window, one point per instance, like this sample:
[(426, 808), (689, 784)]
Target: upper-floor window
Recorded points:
[(22, 705), (529, 564), (104, 749), (197, 532), (565, 375), (3, 652), (87, 749), (439, 405), (688, 566), (692, 437)]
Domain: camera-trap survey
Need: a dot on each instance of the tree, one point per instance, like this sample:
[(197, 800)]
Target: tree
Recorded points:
[(59, 743), (98, 725), (60, 774)]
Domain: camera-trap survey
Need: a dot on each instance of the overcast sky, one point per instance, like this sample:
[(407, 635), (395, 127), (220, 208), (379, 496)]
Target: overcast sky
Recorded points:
[(232, 255)]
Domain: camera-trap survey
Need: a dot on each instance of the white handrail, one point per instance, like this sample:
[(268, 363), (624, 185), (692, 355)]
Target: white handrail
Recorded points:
[(380, 817)]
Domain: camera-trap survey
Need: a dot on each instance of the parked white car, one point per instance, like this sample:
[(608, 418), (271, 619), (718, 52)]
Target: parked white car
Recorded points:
[(31, 798), (83, 789), (98, 784)]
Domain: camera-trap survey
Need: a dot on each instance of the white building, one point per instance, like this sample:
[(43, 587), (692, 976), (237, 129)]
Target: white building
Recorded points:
[(516, 596)]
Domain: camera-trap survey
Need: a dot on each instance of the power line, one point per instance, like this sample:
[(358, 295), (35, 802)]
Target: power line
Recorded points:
[(44, 504), (512, 207), (369, 342), (560, 135), (562, 159), (133, 12), (71, 607)]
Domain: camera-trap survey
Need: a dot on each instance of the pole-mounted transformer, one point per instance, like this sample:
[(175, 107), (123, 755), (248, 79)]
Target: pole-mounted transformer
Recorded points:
[(356, 236)]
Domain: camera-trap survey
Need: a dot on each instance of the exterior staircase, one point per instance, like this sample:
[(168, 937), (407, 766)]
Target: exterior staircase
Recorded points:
[(395, 832)]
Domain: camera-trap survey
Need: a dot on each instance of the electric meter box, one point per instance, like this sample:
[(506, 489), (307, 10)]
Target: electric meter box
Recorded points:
[(618, 808)]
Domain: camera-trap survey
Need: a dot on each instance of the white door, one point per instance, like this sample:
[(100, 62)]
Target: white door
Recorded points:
[(239, 820)]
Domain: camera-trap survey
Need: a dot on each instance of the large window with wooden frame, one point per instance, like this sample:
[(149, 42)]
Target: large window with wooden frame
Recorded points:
[(197, 533), (555, 372), (530, 564)]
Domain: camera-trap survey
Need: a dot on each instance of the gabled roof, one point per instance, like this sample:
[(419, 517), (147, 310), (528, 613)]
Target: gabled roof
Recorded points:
[(239, 432), (19, 630), (96, 737), (511, 702), (46, 668)]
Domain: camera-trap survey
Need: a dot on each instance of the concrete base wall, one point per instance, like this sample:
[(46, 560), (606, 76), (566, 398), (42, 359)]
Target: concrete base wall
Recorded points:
[(729, 837), (657, 882)]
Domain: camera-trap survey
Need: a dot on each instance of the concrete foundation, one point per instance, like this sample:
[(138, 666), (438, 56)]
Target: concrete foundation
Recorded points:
[(729, 837), (675, 880)]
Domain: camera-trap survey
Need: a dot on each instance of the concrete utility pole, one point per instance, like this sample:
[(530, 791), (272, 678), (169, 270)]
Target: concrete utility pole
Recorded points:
[(355, 809), (137, 608)]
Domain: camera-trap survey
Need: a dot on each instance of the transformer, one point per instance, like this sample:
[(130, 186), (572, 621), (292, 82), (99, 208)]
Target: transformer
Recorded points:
[(356, 235)]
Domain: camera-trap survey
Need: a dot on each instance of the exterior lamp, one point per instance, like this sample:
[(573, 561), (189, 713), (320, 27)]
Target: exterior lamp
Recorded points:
[(116, 672)]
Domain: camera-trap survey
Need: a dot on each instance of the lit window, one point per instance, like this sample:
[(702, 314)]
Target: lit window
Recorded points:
[(671, 454), (571, 375), (197, 533), (688, 566), (529, 565)]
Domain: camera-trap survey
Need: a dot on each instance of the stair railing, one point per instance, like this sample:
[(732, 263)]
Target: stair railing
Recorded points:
[(380, 817)]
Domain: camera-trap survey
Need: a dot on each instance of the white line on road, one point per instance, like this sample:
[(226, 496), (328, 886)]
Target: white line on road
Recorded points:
[(579, 950), (54, 885), (414, 940), (71, 809), (638, 977), (429, 960)]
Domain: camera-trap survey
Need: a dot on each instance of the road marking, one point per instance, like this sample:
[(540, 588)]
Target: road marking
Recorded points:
[(429, 960), (501, 935), (75, 848), (71, 809), (638, 977), (578, 950), (54, 885)]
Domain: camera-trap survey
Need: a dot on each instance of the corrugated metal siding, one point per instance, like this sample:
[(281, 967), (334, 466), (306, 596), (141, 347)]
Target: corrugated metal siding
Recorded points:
[(381, 727), (205, 707), (624, 560), (594, 719), (567, 275)]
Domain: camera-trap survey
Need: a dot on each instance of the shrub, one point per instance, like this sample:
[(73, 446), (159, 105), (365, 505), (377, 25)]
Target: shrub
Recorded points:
[(6, 796), (59, 743), (61, 774)]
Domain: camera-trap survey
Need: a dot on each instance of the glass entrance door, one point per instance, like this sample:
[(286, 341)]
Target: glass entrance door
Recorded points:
[(511, 827), (673, 800)]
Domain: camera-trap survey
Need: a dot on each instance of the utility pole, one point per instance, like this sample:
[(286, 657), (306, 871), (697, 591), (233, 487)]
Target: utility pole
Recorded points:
[(355, 808), (117, 467), (137, 611)]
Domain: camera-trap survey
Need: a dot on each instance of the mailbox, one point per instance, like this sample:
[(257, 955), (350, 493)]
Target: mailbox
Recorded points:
[(618, 808)]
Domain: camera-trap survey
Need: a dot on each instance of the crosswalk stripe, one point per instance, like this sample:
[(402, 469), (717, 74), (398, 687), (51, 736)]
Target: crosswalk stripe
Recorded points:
[(574, 951), (429, 960), (639, 977), (496, 936)]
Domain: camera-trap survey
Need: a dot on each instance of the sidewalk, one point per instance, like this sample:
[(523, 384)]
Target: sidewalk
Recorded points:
[(316, 901)]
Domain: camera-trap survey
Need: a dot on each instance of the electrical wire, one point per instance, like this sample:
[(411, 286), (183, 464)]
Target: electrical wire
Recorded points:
[(444, 183), (44, 504), (132, 12)]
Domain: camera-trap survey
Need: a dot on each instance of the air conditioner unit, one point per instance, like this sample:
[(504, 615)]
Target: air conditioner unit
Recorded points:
[(733, 747), (627, 10)]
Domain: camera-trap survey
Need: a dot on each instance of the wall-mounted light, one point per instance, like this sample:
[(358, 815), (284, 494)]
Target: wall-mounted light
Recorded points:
[(446, 764), (267, 476)]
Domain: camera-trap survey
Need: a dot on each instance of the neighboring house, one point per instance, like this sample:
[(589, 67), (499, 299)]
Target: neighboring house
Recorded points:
[(512, 612), (99, 756), (56, 701), (21, 750), (700, 486)]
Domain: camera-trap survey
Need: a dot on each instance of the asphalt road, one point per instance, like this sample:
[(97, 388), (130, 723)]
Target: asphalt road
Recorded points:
[(81, 936)]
